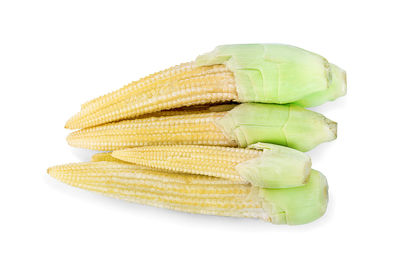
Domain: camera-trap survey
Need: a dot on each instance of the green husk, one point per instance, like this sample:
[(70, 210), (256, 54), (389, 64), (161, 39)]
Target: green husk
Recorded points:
[(337, 89), (287, 125), (297, 205), (277, 167), (276, 73)]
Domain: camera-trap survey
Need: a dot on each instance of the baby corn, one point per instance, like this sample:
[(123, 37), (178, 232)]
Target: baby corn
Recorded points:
[(228, 125), (265, 73), (222, 135), (183, 192), (105, 156), (198, 194), (263, 165), (183, 85)]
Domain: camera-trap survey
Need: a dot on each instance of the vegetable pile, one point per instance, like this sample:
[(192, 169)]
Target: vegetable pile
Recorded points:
[(222, 135)]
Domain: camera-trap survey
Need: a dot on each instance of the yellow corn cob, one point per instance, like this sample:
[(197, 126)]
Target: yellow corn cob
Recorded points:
[(179, 86), (105, 156), (198, 194), (224, 125), (264, 165), (180, 129), (188, 110), (204, 160), (183, 192), (241, 73)]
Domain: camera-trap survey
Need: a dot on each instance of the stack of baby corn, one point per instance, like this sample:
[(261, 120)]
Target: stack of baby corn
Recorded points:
[(222, 135)]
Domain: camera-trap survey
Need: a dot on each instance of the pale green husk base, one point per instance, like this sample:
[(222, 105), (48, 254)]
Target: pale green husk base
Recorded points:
[(287, 125), (337, 89), (277, 167), (277, 73), (298, 205)]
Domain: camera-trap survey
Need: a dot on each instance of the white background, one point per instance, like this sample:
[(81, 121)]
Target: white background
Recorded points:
[(55, 56)]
